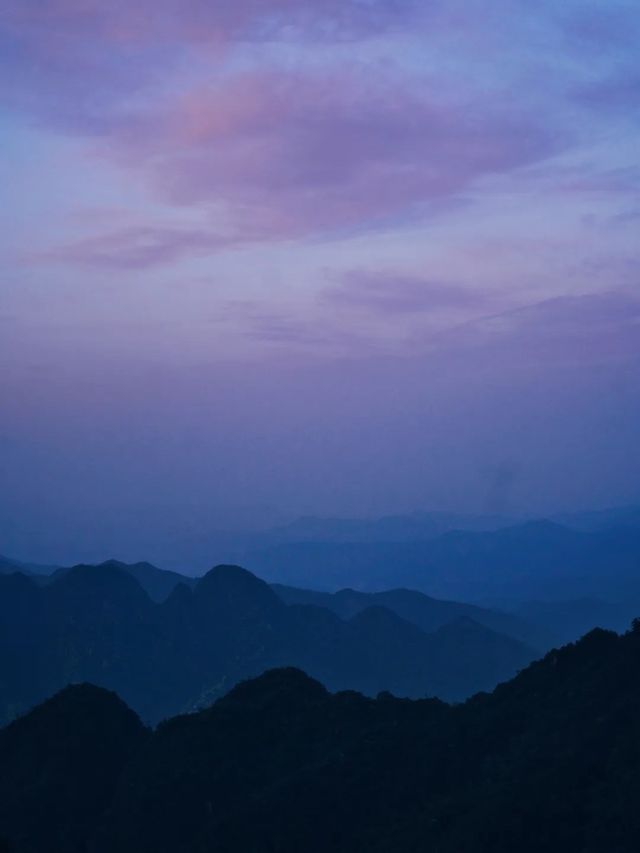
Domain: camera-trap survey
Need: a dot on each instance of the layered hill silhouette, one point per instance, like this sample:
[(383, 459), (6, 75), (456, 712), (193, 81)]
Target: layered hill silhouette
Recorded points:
[(98, 624), (557, 578), (390, 528), (535, 560), (422, 526), (549, 761), (8, 566), (422, 610), (157, 583)]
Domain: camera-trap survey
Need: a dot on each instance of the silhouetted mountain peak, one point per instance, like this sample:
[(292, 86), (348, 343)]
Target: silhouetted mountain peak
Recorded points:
[(86, 694), (69, 750), (157, 583), (234, 586), (107, 583), (142, 565), (286, 686), (111, 563), (85, 704), (597, 638)]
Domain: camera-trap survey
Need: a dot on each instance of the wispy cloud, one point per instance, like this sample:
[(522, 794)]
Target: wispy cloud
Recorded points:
[(137, 247), (386, 292), (585, 329), (133, 248)]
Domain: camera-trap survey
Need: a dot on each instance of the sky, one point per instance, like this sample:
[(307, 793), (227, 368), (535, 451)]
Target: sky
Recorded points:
[(268, 258)]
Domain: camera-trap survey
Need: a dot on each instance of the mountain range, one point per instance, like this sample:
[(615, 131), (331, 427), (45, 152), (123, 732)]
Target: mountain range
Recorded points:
[(565, 574), (98, 624), (535, 560), (421, 526), (170, 643), (548, 761), (332, 553)]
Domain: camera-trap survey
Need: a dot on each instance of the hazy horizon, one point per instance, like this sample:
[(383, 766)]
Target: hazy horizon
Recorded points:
[(263, 260), (192, 544)]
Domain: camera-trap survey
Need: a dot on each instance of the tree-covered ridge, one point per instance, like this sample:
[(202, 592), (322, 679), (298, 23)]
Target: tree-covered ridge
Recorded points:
[(549, 761)]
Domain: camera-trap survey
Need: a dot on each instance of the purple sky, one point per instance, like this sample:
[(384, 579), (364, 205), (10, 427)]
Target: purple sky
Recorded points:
[(263, 258)]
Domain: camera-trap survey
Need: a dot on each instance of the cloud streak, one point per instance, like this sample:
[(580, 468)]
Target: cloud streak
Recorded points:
[(387, 292), (134, 248), (592, 329)]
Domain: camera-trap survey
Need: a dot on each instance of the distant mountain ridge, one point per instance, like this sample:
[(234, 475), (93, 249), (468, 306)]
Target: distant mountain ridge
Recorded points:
[(157, 583), (418, 526), (425, 525), (534, 560), (546, 583), (97, 623), (427, 613), (8, 566), (390, 528)]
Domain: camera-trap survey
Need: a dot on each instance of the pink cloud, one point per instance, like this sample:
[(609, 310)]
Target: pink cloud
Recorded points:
[(288, 156), (284, 154), (321, 152)]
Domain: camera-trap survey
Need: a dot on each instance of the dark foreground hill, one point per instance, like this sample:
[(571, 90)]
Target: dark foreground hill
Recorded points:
[(549, 762), (97, 624), (60, 764)]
